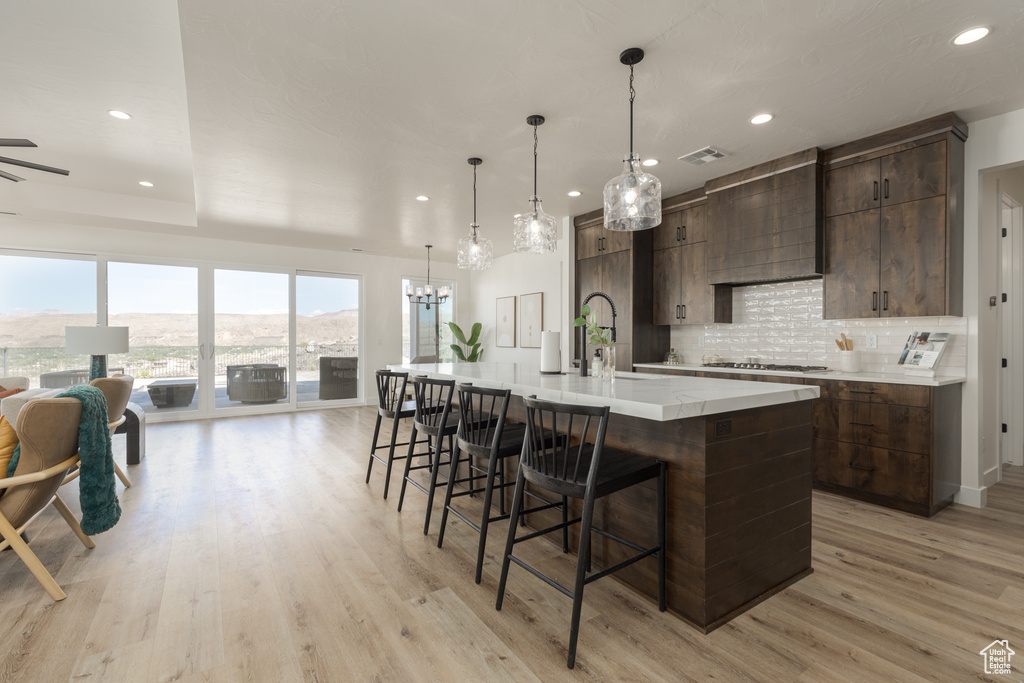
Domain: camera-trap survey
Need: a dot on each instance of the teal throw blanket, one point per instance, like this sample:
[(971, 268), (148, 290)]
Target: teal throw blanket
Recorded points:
[(96, 488)]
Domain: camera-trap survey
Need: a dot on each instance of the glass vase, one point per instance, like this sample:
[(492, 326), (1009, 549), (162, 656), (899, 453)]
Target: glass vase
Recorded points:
[(609, 364)]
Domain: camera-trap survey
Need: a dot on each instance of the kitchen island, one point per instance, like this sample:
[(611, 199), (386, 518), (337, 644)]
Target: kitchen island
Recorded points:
[(739, 488)]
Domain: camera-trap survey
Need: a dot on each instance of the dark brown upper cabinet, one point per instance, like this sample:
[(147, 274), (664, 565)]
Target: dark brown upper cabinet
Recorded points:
[(682, 293), (893, 228), (764, 223), (594, 240)]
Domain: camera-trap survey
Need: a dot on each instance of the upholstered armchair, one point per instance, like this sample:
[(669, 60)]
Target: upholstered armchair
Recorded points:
[(48, 429)]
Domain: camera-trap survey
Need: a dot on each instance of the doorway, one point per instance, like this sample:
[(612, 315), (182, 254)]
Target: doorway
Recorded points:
[(1011, 317)]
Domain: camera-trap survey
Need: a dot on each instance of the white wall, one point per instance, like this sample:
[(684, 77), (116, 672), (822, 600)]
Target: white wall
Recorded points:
[(382, 276), (515, 275), (992, 144)]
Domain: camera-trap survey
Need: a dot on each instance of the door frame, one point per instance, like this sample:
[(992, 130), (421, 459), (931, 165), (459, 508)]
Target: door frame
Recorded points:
[(1010, 324)]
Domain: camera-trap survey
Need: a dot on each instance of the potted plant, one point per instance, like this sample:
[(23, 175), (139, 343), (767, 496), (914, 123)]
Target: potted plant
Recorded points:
[(472, 352), (598, 336)]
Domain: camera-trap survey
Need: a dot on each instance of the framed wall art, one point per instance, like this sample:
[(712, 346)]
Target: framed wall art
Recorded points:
[(505, 323), (531, 319)]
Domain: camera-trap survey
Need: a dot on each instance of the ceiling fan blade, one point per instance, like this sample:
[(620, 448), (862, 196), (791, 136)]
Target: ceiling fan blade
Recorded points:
[(16, 142), (38, 167), (10, 176)]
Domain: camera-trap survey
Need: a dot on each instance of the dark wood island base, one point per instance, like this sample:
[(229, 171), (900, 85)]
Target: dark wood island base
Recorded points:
[(739, 507)]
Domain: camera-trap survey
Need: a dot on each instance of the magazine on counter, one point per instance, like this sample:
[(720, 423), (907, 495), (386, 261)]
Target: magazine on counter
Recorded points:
[(924, 349)]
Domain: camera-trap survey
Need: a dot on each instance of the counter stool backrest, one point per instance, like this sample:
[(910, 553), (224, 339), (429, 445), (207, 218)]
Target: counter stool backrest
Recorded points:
[(433, 403), (391, 391), (483, 417), (555, 463)]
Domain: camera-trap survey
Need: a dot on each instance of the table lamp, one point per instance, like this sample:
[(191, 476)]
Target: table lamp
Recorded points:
[(97, 342)]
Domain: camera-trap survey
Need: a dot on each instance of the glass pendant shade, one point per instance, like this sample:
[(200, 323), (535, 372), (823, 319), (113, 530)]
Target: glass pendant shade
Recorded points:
[(632, 201), (475, 252), (535, 231)]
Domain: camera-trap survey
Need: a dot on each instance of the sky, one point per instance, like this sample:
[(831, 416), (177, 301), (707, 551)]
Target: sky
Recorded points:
[(38, 284)]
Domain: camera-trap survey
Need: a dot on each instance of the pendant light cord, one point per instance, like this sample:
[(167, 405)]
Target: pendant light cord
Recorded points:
[(474, 201), (535, 160), (632, 96)]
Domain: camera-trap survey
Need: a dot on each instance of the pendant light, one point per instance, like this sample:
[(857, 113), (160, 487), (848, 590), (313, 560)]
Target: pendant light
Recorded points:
[(535, 232), (475, 252), (632, 201)]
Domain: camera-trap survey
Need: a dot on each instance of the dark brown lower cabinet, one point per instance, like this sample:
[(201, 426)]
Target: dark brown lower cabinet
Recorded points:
[(896, 445)]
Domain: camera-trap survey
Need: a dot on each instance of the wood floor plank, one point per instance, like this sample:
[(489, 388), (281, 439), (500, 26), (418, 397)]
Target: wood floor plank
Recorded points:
[(251, 549)]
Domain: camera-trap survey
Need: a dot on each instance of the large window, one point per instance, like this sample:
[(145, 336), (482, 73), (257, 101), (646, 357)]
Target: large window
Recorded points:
[(39, 297), (201, 338), (425, 334), (327, 337), (160, 307)]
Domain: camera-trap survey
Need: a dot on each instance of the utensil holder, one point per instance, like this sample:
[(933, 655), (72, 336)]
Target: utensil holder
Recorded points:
[(849, 361)]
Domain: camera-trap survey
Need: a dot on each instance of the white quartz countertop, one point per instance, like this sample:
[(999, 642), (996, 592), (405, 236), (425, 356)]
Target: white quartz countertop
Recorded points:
[(890, 378), (649, 396)]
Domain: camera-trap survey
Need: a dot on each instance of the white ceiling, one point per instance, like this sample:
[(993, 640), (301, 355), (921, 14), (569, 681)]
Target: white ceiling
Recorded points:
[(317, 122)]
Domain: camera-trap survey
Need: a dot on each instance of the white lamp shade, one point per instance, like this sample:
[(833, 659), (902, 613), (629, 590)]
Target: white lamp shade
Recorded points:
[(96, 341)]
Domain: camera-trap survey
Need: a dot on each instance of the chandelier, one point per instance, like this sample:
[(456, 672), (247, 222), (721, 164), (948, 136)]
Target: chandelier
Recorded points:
[(423, 295)]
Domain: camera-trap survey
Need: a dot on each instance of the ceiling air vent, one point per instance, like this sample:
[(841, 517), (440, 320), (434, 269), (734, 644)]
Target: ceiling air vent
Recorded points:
[(702, 156)]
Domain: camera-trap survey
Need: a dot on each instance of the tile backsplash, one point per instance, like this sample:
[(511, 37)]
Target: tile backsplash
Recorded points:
[(782, 323)]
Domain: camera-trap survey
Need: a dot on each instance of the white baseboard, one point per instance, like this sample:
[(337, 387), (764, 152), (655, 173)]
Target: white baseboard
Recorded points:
[(972, 497), (992, 476)]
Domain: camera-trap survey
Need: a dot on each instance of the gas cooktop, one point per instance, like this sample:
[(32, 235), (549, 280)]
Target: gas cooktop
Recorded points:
[(768, 366)]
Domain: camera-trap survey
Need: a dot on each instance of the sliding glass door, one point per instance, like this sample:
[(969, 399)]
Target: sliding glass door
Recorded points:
[(327, 329), (251, 347), (160, 306)]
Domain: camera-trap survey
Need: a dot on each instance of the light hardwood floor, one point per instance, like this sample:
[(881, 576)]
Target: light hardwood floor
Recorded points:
[(251, 550)]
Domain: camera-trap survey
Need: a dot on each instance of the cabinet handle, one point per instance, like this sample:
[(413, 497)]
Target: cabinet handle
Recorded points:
[(677, 311), (876, 191), (679, 234), (860, 391), (863, 424), (683, 307), (886, 193), (874, 301), (885, 301), (861, 467), (600, 244), (684, 233)]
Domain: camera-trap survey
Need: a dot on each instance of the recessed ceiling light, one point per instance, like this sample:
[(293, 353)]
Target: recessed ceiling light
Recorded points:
[(575, 193), (423, 198), (119, 114), (971, 35), (650, 162), (145, 183), (761, 118)]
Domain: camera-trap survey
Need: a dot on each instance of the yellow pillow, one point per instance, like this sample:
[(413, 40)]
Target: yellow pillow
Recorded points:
[(8, 440)]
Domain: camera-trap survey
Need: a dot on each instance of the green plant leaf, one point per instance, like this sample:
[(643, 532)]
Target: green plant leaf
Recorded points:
[(579, 322), (474, 334), (457, 350), (585, 310), (457, 332), (474, 356)]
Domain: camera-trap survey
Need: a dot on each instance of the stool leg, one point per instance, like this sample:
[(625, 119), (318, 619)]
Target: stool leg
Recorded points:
[(565, 524), (485, 518), (391, 455), (436, 460), (501, 491), (408, 464), (448, 496), (510, 539), (581, 573), (373, 448)]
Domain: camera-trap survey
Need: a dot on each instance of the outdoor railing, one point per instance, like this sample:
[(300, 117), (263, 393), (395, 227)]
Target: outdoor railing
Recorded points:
[(162, 362)]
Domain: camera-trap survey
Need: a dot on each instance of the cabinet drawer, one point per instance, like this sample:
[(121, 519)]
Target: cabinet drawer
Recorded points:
[(874, 392), (903, 428), (879, 471)]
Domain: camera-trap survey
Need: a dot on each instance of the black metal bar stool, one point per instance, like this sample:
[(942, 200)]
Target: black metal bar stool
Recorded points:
[(434, 418), (586, 471), (392, 406), (484, 435)]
